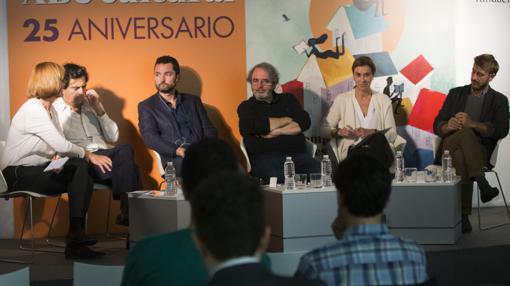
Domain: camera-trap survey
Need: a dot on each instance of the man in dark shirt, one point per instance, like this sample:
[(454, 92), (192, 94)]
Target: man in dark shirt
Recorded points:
[(271, 125), (170, 120), (472, 120)]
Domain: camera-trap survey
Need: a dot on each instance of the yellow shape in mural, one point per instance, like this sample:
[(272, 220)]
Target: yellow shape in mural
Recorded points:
[(336, 70)]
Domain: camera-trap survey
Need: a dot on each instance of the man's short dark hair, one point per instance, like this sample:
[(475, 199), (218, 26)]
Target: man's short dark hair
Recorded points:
[(364, 61), (169, 60), (204, 158), (488, 63), (74, 71), (228, 214), (273, 74), (364, 184)]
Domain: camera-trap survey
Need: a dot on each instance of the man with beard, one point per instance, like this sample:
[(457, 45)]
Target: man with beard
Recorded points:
[(85, 123), (272, 126), (472, 120), (170, 120)]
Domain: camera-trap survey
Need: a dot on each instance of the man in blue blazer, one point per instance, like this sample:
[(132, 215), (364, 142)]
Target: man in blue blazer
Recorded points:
[(169, 120)]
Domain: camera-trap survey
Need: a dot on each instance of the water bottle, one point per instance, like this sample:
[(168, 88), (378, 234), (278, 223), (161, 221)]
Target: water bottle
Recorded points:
[(326, 171), (399, 167), (289, 172), (446, 166), (170, 177)]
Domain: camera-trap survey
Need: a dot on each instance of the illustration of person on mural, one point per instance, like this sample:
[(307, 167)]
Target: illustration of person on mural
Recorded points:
[(325, 54), (396, 95)]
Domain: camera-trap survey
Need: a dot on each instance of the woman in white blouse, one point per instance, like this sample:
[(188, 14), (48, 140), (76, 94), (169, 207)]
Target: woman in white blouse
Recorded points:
[(33, 141), (359, 112)]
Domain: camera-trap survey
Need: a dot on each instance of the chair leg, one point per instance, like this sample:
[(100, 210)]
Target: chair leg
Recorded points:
[(32, 248), (504, 200), (50, 227), (20, 242), (27, 209), (108, 214)]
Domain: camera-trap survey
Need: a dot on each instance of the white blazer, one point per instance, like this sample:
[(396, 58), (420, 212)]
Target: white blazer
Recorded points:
[(343, 113)]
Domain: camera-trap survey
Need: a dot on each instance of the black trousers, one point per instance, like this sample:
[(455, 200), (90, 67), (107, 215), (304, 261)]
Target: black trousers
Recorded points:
[(73, 180), (124, 176)]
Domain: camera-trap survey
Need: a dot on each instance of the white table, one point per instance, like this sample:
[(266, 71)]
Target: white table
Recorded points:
[(300, 219), (429, 213), (149, 214)]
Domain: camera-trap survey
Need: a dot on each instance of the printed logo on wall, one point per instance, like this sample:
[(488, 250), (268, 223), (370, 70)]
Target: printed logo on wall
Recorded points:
[(118, 42)]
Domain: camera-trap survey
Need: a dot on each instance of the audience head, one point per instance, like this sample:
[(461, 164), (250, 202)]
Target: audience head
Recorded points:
[(74, 71), (364, 61), (364, 185), (488, 63), (205, 158), (228, 212), (45, 81)]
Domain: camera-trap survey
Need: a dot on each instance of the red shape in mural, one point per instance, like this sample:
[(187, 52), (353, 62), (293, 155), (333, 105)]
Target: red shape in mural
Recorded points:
[(425, 109), (416, 70), (295, 87)]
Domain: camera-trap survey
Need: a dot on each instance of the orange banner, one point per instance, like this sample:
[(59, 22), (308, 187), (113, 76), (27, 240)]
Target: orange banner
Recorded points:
[(119, 41)]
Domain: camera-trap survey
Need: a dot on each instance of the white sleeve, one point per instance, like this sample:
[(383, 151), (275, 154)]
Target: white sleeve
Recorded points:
[(38, 123), (389, 120), (331, 120)]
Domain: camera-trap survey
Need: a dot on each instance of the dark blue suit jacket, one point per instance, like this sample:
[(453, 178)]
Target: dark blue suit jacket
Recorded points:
[(159, 129)]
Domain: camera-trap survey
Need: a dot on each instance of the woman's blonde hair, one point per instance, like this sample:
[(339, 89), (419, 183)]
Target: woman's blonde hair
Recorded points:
[(45, 80)]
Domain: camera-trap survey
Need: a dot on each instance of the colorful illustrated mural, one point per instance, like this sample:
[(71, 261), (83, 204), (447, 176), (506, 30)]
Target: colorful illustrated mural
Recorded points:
[(315, 43)]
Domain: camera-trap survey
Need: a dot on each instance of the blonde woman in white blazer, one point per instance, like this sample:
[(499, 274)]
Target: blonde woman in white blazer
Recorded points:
[(33, 141), (359, 112)]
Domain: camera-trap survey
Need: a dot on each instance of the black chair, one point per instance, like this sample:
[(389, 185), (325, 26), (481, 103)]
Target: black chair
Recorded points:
[(29, 197), (490, 169)]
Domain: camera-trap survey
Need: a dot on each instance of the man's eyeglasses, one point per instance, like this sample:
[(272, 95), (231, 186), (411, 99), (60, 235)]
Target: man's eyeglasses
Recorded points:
[(262, 81)]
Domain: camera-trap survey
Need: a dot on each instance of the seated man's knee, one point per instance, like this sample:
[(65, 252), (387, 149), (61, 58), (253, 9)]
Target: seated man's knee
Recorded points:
[(78, 163), (125, 150), (467, 133)]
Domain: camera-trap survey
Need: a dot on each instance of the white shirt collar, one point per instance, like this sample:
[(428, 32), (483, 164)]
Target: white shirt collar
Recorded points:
[(60, 105), (233, 262)]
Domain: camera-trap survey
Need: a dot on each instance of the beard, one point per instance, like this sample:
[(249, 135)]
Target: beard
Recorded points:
[(165, 88), (478, 86)]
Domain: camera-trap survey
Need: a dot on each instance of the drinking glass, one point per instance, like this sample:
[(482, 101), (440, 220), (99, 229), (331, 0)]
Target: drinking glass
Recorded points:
[(300, 180), (410, 175), (316, 180), (420, 176), (430, 175)]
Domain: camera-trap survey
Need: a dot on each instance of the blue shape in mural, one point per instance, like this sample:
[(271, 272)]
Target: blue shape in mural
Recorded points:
[(383, 62), (364, 23), (420, 158)]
